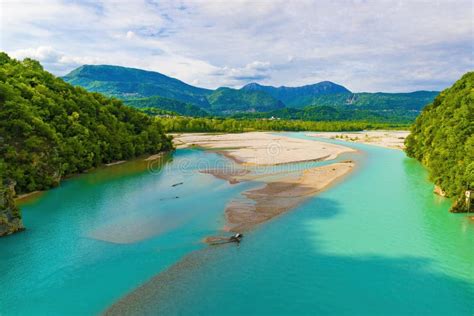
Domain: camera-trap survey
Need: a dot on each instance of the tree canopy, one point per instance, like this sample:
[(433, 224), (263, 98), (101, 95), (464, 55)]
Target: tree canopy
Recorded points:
[(50, 129), (442, 138)]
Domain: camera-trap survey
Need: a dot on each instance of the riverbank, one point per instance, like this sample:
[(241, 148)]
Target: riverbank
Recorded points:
[(21, 198), (387, 139)]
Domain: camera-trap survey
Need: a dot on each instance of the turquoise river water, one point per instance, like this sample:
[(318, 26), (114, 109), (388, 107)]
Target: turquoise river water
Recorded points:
[(378, 242)]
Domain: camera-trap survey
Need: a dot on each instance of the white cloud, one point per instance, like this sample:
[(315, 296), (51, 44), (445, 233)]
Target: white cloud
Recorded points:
[(130, 35), (365, 45), (52, 59), (42, 53)]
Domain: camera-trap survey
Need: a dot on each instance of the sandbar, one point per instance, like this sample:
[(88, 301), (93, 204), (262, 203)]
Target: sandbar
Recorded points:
[(281, 195), (262, 148), (282, 189), (387, 139)]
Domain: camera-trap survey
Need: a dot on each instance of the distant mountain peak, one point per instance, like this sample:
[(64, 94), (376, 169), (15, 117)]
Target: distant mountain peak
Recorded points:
[(252, 86)]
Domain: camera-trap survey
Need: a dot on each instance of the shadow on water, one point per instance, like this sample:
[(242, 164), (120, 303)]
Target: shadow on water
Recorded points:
[(275, 272)]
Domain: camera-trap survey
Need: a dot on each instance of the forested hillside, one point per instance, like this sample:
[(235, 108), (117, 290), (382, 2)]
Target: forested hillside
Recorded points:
[(299, 96), (330, 113), (170, 105), (130, 83), (442, 138), (150, 89), (229, 101), (50, 129)]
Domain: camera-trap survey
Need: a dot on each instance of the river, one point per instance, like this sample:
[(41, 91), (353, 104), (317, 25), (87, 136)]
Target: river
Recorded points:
[(377, 242)]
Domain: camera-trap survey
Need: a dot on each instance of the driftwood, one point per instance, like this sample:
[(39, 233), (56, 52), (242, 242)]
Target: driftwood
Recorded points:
[(218, 240)]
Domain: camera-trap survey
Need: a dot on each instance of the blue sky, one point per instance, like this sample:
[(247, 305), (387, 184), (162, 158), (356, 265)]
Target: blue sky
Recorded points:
[(364, 45)]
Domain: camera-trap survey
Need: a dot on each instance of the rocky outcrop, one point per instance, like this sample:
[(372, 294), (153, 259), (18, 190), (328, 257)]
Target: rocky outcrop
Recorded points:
[(10, 216), (460, 206), (439, 191)]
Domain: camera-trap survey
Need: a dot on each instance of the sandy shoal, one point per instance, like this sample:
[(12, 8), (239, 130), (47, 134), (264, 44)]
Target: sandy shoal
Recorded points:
[(281, 195), (282, 190), (262, 148), (387, 139)]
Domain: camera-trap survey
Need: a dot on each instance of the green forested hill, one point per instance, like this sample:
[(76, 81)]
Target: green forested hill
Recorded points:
[(131, 83), (299, 96), (149, 89), (157, 102), (415, 101), (228, 101), (442, 138), (327, 93), (380, 101), (50, 129), (139, 88)]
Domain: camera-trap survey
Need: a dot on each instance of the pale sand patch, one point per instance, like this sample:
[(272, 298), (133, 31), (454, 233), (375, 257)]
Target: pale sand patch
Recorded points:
[(281, 195), (154, 157), (115, 163), (261, 148), (387, 139), (26, 196)]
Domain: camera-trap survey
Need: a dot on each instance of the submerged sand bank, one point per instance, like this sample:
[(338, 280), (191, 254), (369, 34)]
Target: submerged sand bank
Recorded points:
[(261, 148), (387, 139)]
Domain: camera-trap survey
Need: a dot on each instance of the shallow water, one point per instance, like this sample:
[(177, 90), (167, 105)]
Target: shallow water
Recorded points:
[(377, 242)]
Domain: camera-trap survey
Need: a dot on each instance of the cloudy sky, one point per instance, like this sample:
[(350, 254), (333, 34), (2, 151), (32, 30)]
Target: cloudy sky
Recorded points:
[(364, 45)]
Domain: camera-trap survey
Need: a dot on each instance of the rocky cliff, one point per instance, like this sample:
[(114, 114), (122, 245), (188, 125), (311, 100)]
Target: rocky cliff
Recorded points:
[(10, 216)]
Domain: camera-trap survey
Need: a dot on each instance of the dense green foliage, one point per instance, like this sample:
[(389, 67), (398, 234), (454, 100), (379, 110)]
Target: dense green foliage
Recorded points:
[(170, 105), (442, 138), (329, 113), (299, 96), (127, 83), (50, 129), (330, 94), (412, 101), (135, 86), (228, 101), (228, 125), (10, 215), (157, 112)]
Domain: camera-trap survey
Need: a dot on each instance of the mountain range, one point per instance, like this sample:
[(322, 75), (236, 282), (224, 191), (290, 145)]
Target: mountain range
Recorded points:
[(148, 89)]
